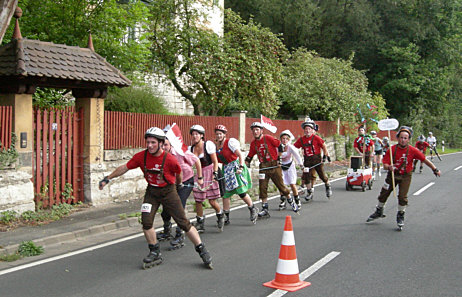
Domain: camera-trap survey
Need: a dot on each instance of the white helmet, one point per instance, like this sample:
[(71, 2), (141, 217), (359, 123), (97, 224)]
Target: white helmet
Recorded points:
[(430, 133), (198, 128), (373, 132), (256, 125), (288, 133), (155, 132)]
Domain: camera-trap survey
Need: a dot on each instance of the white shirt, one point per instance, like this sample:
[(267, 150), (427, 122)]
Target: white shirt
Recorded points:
[(431, 140)]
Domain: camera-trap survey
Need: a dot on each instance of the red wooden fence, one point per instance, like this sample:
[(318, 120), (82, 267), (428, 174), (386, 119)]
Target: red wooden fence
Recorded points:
[(58, 157), (6, 126), (126, 130)]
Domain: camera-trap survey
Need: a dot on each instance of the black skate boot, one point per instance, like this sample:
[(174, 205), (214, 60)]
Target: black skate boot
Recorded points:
[(309, 194), (220, 221), (421, 169), (264, 213), (328, 190), (227, 222), (253, 214), (178, 241), (166, 233), (293, 205), (377, 214), (154, 257), (297, 200), (282, 205), (400, 220), (206, 258), (200, 224)]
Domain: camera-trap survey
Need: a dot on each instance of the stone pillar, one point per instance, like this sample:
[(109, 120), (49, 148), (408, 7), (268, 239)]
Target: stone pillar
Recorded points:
[(93, 145), (241, 115), (22, 126)]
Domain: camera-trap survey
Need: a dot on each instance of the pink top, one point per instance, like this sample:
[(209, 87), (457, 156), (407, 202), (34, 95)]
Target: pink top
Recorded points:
[(186, 163)]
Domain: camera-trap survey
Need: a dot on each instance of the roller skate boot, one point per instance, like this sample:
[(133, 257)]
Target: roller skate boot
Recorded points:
[(253, 214), (264, 213), (400, 220), (297, 200), (166, 233), (328, 190), (154, 257), (178, 241), (282, 204), (206, 258), (376, 215), (220, 221), (293, 205), (227, 222), (200, 224), (421, 169), (309, 194)]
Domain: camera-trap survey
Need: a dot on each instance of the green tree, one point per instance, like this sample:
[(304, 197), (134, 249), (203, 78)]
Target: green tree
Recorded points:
[(325, 89), (214, 73), (69, 22)]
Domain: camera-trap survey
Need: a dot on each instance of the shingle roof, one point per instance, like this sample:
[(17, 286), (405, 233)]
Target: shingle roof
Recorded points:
[(34, 58)]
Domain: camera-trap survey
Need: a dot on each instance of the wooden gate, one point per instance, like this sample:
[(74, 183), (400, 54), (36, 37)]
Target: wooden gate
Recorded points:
[(58, 161)]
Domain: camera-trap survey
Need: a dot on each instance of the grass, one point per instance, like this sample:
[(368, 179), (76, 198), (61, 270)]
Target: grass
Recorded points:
[(25, 249)]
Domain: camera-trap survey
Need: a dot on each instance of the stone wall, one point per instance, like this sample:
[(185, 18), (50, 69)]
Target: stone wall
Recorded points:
[(17, 191)]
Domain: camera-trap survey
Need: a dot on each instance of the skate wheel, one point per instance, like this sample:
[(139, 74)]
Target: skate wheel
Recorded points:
[(400, 228), (209, 266)]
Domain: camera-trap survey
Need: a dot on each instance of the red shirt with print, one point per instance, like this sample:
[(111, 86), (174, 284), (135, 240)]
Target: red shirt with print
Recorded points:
[(399, 157), (263, 155), (359, 143), (422, 146), (153, 165), (312, 145)]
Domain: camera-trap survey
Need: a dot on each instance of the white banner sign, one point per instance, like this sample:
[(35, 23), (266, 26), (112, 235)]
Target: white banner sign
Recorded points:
[(388, 124)]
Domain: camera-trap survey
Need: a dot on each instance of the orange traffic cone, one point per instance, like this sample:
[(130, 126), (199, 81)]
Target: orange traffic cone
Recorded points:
[(287, 277)]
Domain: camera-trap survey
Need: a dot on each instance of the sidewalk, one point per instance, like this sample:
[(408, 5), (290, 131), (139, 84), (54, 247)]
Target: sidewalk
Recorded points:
[(96, 220)]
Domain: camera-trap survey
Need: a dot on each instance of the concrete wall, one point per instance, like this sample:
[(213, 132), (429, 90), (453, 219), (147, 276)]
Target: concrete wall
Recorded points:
[(17, 191)]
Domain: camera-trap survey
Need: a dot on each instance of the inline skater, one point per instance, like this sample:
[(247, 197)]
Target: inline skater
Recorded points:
[(289, 172), (403, 156), (267, 148), (162, 172), (312, 145), (364, 146), (236, 173), (378, 152), (421, 145), (186, 162), (432, 142), (206, 152)]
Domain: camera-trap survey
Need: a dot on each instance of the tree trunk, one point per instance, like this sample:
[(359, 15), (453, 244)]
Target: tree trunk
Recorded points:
[(7, 8)]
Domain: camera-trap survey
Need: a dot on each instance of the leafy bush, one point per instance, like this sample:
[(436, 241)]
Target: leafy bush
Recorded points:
[(139, 99), (8, 216), (28, 249)]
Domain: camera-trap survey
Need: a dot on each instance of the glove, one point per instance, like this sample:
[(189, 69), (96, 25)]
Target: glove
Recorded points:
[(215, 175), (239, 171), (105, 180), (435, 172), (279, 161), (325, 157), (179, 186)]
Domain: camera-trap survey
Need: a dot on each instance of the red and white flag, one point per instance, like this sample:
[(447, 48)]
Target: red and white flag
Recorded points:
[(268, 124), (176, 140)]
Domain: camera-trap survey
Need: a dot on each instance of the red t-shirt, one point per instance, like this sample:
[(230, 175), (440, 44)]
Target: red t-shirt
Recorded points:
[(359, 143), (153, 165), (263, 155), (422, 146), (400, 157), (312, 145)]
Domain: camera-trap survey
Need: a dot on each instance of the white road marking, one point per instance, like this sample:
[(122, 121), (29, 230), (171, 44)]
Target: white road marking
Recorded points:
[(457, 168), (309, 271), (89, 249), (423, 189)]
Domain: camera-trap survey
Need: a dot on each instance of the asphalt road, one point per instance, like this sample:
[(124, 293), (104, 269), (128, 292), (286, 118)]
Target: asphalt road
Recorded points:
[(373, 259)]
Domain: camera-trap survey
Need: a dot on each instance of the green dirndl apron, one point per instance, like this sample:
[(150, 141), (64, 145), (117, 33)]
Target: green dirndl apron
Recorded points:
[(236, 183)]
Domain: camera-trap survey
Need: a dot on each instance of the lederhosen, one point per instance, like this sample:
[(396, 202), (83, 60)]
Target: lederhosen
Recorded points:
[(310, 161), (403, 180), (167, 196), (274, 173)]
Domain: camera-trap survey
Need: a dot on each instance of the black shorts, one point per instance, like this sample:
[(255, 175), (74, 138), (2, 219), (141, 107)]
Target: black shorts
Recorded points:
[(379, 152)]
